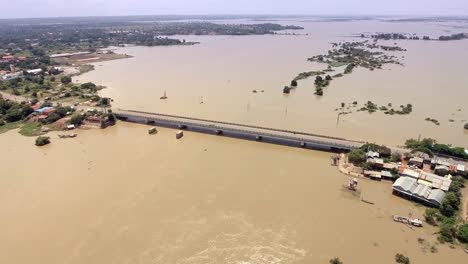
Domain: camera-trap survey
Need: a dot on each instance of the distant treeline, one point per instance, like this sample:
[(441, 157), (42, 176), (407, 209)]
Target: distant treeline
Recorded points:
[(400, 36), (89, 35)]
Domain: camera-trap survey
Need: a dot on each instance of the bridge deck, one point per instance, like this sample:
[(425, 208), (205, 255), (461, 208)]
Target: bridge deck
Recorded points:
[(210, 125)]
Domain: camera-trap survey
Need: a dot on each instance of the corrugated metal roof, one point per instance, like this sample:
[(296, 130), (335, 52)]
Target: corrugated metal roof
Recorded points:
[(436, 196)]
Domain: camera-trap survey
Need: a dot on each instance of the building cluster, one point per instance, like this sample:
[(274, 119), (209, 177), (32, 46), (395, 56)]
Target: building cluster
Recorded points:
[(427, 179), (422, 179)]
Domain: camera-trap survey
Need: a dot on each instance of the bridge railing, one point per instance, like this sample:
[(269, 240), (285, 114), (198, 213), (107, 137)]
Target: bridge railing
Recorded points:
[(233, 129), (240, 125)]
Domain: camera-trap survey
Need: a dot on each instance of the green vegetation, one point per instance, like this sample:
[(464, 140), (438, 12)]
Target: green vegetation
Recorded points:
[(5, 127), (31, 129), (349, 68), (462, 234), (11, 112), (41, 141), (435, 121), (381, 149), (357, 157), (458, 36), (466, 126), (431, 215), (294, 83), (89, 34), (305, 75), (66, 79), (335, 261), (446, 216), (76, 119), (431, 147), (402, 259)]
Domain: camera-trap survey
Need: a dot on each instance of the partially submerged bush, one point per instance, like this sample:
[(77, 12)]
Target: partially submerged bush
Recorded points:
[(41, 141)]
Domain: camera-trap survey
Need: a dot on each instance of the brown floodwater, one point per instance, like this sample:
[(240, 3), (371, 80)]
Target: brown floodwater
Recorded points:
[(121, 196), (223, 70)]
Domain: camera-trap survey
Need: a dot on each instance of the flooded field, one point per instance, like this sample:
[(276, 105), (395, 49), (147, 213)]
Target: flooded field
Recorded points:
[(122, 196), (222, 71)]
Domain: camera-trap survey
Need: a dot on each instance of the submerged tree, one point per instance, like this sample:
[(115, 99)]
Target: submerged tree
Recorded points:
[(400, 258), (335, 261)]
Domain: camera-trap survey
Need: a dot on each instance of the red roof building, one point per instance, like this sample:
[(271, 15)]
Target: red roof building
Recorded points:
[(48, 111), (36, 106)]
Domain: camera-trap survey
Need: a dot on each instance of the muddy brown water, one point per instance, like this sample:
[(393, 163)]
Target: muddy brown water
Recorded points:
[(223, 70), (121, 196)]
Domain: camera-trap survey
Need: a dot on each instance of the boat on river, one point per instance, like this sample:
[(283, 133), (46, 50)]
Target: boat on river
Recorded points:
[(406, 220), (68, 136)]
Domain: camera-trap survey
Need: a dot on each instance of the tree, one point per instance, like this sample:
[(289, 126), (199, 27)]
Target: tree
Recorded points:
[(76, 119), (328, 78), (466, 126), (447, 230), (104, 101), (430, 216), (66, 79), (13, 115), (357, 156), (462, 233), (41, 141), (53, 117), (89, 85), (294, 83), (318, 80), (335, 261), (450, 204), (400, 258)]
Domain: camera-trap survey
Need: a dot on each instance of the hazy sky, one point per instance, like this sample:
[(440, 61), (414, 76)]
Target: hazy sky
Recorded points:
[(54, 8)]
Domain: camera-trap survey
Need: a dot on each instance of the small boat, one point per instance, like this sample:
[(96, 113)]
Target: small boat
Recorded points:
[(152, 131), (179, 134), (164, 97), (68, 136), (406, 220)]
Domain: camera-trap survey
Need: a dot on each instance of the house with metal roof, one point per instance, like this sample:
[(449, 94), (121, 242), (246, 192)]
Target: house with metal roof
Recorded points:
[(441, 170), (409, 188), (416, 161), (460, 168), (410, 173)]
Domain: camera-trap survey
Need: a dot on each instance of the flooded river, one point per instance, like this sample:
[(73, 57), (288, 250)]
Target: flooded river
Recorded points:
[(122, 196), (222, 71)]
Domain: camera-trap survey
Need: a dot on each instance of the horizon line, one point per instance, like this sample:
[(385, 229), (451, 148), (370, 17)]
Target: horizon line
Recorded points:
[(249, 15)]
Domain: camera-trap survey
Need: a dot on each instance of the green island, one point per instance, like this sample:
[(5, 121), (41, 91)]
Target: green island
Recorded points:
[(372, 107), (349, 55), (401, 36)]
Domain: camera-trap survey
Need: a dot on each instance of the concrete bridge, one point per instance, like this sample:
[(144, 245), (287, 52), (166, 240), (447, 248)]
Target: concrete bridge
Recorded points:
[(241, 131)]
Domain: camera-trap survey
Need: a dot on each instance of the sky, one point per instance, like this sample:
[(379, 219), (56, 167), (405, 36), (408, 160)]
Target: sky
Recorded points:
[(65, 8)]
